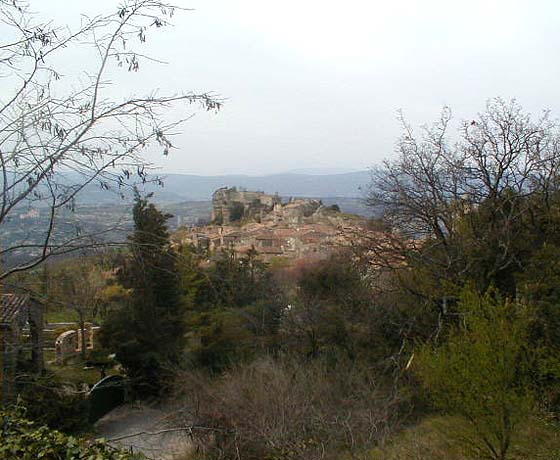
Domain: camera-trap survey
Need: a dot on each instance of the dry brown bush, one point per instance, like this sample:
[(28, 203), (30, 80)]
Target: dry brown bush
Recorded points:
[(285, 409)]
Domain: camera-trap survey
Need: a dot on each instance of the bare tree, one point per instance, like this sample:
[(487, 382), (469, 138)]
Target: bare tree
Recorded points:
[(60, 134), (289, 409), (501, 161), (79, 287)]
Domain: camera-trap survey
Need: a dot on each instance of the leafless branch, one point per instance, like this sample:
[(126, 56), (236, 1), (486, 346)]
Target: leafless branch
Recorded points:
[(59, 134)]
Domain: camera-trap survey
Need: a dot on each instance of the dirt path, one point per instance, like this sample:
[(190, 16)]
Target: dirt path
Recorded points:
[(147, 425)]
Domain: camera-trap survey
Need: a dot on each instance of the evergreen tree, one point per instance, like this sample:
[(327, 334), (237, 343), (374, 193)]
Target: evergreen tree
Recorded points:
[(147, 334), (236, 313)]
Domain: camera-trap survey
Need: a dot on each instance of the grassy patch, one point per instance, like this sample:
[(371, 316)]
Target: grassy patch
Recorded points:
[(74, 371), (66, 315), (445, 438), (424, 441), (60, 315)]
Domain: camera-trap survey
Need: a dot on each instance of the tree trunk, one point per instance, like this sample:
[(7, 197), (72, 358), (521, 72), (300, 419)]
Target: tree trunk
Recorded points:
[(83, 334)]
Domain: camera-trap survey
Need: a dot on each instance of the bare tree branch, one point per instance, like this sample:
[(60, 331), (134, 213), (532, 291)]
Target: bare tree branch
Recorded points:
[(61, 135)]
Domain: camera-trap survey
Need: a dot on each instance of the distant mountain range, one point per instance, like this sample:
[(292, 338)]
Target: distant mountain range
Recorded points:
[(322, 171), (187, 187)]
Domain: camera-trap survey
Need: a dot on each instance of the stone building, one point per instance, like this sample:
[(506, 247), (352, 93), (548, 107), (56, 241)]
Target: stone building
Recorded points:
[(230, 204), (298, 228), (21, 329)]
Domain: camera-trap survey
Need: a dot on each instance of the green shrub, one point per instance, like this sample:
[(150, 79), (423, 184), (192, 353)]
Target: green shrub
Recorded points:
[(52, 403), (485, 372), (24, 440)]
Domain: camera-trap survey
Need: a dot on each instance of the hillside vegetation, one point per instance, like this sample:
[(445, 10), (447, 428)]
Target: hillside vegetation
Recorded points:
[(435, 334)]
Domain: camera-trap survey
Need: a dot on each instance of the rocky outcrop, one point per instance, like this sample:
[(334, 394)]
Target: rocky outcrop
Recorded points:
[(233, 205)]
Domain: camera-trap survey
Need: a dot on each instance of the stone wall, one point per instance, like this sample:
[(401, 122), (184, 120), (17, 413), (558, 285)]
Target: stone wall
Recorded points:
[(66, 345), (69, 343)]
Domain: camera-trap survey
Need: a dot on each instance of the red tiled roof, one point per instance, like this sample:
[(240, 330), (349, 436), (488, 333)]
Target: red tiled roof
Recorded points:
[(11, 305)]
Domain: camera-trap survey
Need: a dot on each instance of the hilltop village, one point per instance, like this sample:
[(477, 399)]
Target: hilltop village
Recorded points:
[(244, 220)]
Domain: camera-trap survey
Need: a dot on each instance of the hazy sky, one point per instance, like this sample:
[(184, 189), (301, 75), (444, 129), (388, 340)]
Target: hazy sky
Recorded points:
[(317, 83)]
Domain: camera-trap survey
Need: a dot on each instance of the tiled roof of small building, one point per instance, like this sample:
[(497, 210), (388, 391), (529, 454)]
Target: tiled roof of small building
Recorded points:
[(11, 305)]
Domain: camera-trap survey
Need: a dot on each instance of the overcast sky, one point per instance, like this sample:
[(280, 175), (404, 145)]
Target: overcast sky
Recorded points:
[(317, 83)]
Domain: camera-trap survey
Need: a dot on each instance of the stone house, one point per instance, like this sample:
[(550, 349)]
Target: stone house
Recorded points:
[(230, 240), (21, 339)]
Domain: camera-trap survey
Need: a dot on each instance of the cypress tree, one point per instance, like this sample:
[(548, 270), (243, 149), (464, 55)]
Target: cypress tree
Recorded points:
[(147, 334)]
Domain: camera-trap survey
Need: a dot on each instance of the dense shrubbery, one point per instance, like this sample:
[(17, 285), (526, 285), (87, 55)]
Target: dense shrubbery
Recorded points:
[(291, 409), (25, 440), (334, 313), (50, 402), (235, 314), (305, 379)]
